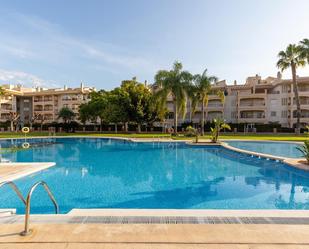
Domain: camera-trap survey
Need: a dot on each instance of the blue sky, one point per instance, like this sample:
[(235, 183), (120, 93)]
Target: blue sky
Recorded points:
[(98, 42)]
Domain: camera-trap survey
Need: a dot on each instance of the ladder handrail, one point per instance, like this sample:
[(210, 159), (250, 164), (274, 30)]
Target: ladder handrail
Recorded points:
[(28, 203), (15, 188)]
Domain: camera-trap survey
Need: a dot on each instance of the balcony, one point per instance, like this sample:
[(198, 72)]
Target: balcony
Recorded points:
[(251, 95), (38, 99), (252, 117), (214, 105), (48, 108), (6, 107), (48, 98), (5, 116), (211, 115)]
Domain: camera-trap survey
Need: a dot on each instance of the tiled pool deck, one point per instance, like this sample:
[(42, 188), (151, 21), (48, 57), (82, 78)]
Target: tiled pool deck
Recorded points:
[(155, 236)]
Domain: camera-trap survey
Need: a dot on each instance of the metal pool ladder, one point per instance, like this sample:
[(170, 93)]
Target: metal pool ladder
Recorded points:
[(15, 188), (27, 202)]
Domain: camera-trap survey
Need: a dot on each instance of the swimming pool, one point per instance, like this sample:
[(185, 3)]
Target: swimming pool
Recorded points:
[(282, 149), (108, 173)]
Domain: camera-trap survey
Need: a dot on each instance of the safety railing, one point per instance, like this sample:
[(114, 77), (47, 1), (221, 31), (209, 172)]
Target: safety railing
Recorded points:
[(15, 188), (27, 201), (27, 231)]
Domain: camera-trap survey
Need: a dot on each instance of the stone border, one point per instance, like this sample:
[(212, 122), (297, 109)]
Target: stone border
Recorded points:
[(189, 212), (33, 167), (294, 162)]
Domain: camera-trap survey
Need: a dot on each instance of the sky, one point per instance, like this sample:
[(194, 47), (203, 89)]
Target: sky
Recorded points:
[(100, 43)]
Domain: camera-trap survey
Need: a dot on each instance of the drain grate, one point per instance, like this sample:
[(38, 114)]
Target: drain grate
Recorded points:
[(189, 220), (156, 220)]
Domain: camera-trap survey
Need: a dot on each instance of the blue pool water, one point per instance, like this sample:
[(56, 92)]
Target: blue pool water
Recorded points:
[(104, 173), (274, 148)]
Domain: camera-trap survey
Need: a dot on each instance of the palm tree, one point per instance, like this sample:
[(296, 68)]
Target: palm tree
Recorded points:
[(200, 92), (2, 91), (175, 83), (292, 57), (305, 48), (221, 95)]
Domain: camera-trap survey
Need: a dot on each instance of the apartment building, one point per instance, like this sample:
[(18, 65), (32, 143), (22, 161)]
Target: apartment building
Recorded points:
[(257, 101), (41, 103)]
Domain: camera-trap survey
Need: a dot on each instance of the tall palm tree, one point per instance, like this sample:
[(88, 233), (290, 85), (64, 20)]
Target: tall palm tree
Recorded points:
[(221, 95), (305, 48), (175, 83), (201, 90), (292, 58), (2, 91)]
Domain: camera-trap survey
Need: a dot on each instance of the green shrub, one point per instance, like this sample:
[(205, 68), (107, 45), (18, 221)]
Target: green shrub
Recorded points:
[(190, 131), (215, 131), (305, 150)]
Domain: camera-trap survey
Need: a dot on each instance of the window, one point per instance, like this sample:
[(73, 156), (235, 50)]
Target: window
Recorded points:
[(285, 88), (26, 109), (284, 114), (273, 114), (170, 115), (274, 102), (26, 100), (284, 101), (234, 114)]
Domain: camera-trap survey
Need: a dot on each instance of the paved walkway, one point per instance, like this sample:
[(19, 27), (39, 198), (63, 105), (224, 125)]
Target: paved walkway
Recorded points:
[(155, 236)]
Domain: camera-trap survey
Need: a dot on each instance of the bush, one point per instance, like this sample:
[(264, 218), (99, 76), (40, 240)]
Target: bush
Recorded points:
[(190, 131), (304, 149)]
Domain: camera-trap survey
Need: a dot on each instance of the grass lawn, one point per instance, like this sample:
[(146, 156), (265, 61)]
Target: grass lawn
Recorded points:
[(274, 137)]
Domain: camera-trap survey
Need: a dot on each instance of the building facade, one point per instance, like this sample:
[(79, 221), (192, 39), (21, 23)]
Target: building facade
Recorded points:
[(40, 105), (257, 101)]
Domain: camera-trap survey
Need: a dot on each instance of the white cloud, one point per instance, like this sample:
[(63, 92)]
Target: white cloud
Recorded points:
[(47, 42), (23, 78)]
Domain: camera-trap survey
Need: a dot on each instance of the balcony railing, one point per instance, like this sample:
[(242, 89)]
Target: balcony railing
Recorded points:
[(251, 104)]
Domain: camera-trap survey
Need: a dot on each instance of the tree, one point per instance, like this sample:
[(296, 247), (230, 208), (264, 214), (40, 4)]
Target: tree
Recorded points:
[(221, 95), (66, 114), (2, 91), (85, 113), (305, 49), (14, 118), (94, 110), (115, 111), (33, 119), (200, 92), (292, 58), (175, 83), (138, 103)]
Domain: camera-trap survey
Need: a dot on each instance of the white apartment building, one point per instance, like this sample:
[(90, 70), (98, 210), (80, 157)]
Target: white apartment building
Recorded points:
[(257, 101), (44, 103)]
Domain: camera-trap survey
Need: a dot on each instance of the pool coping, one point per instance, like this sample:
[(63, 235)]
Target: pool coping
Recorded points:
[(122, 212), (26, 169), (294, 162)]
